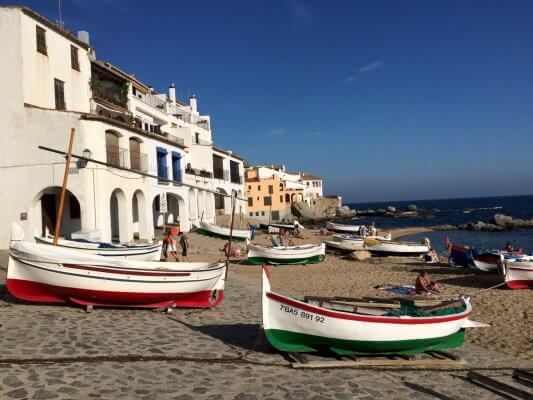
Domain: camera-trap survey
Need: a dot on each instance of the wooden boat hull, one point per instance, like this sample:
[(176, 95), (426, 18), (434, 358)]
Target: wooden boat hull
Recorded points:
[(307, 254), (459, 256), (331, 226), (220, 232), (394, 248), (59, 278), (295, 326), (519, 274), (348, 245), (141, 252)]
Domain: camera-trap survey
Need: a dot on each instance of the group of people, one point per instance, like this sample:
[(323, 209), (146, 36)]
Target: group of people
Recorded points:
[(170, 244), (371, 231)]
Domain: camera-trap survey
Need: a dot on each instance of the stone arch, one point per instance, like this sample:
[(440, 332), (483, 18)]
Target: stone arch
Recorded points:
[(193, 208), (119, 219), (46, 204), (139, 217)]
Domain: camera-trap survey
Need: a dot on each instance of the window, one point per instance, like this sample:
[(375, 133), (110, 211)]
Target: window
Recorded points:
[(176, 166), (40, 34), (263, 213), (59, 91), (258, 188), (74, 61), (257, 214), (197, 138), (162, 169), (270, 189), (267, 200), (251, 214), (134, 91), (287, 198), (249, 187), (250, 201), (235, 176), (218, 167), (281, 198)]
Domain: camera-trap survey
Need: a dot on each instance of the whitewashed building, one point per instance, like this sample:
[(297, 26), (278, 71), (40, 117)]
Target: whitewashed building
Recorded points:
[(312, 187), (52, 83)]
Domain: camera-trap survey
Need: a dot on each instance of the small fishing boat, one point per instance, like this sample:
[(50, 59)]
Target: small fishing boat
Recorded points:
[(52, 274), (356, 327), (331, 226), (396, 248), (130, 251), (460, 256), (518, 274), (485, 260), (347, 243), (221, 232), (276, 228), (303, 254)]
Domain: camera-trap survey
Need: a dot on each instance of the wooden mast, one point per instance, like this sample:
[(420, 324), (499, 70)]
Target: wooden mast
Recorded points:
[(59, 216), (234, 201)]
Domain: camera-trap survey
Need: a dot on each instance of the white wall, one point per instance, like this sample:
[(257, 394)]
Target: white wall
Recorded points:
[(39, 70)]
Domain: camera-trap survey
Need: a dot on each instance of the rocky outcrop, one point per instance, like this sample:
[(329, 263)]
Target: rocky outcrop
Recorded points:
[(508, 222), (345, 212), (303, 212), (412, 207), (391, 209)]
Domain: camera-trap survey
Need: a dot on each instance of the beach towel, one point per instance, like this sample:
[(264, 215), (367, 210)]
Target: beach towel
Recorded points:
[(406, 290)]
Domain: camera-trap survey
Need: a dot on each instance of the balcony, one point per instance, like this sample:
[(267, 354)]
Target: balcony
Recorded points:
[(197, 172), (138, 161), (186, 116), (222, 174), (109, 97), (116, 156)]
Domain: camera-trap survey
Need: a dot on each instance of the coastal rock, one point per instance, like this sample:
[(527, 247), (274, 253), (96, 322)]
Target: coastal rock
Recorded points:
[(360, 255), (447, 227), (391, 209), (345, 212), (412, 207), (508, 222), (303, 211)]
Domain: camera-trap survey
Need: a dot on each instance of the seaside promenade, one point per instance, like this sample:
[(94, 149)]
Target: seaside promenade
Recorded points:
[(61, 352)]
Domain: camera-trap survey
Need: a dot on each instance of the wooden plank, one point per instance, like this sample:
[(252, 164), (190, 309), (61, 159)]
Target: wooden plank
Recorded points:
[(373, 362), (298, 358), (524, 376), (497, 385)]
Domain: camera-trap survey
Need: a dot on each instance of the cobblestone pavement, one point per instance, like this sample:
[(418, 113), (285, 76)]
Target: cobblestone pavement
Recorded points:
[(61, 352)]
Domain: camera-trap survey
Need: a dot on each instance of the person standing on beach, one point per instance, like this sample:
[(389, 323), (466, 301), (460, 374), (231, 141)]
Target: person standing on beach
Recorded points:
[(184, 243), (169, 246)]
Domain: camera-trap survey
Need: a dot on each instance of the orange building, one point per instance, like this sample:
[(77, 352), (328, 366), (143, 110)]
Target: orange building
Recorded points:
[(270, 192)]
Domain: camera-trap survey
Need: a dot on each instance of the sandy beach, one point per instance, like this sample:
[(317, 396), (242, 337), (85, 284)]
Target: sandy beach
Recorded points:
[(507, 311)]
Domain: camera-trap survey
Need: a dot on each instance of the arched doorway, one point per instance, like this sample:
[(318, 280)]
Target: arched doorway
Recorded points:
[(48, 204), (201, 204), (193, 207), (138, 211), (119, 218)]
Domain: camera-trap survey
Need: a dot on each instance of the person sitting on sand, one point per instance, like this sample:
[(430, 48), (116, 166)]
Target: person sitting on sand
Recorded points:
[(373, 231), (169, 246), (424, 286), (297, 231), (431, 257)]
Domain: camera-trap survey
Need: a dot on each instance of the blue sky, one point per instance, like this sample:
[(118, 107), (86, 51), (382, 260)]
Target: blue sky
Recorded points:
[(386, 100)]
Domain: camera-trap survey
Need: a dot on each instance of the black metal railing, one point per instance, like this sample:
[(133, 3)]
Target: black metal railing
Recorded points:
[(138, 161), (197, 172), (116, 156)]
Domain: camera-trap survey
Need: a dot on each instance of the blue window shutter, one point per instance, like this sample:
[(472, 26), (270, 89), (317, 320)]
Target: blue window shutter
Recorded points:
[(162, 162), (176, 167)]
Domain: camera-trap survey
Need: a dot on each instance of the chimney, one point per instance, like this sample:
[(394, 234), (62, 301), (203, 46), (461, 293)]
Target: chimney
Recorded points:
[(193, 103), (151, 89), (83, 36), (172, 93)]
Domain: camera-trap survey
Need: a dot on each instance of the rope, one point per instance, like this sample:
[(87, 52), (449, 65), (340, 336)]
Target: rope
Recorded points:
[(482, 290)]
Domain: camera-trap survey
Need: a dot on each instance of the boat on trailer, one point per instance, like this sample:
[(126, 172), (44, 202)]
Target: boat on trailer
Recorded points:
[(341, 228), (131, 251), (303, 254), (51, 274), (221, 232), (349, 327), (395, 248)]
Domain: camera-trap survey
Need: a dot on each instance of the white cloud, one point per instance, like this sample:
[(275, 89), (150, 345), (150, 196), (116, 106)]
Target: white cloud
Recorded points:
[(371, 66), (350, 79), (314, 134)]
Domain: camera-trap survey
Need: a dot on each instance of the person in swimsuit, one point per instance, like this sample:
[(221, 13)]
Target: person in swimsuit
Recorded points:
[(424, 286)]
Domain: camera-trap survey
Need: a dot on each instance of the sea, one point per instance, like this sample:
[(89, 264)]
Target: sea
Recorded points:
[(456, 212)]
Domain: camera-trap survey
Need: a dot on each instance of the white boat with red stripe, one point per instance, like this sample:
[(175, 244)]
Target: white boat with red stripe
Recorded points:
[(298, 326), (42, 273), (518, 274)]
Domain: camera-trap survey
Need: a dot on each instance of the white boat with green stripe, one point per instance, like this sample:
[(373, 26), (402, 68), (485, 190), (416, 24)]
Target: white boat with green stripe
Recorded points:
[(298, 326), (221, 232), (303, 254)]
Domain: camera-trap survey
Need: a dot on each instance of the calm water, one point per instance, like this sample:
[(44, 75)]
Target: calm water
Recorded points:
[(459, 211)]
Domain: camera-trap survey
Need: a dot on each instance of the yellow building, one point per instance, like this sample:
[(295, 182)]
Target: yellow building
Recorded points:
[(270, 192)]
